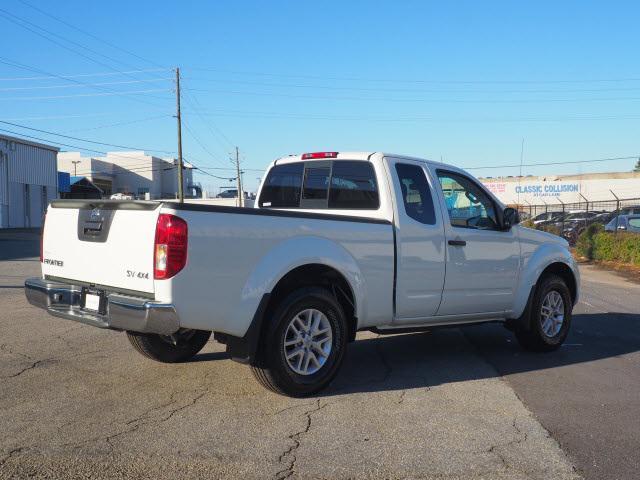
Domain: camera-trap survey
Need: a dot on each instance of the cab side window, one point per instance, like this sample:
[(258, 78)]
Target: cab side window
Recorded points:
[(416, 194), (468, 205)]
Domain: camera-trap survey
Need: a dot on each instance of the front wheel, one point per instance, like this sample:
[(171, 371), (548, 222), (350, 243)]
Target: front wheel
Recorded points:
[(305, 344), (178, 347), (550, 316)]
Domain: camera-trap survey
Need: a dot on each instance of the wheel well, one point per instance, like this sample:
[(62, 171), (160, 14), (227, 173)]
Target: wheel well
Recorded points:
[(564, 272), (317, 275)]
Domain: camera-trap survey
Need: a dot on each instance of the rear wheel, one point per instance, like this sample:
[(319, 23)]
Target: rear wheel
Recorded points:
[(305, 344), (550, 316), (179, 347)]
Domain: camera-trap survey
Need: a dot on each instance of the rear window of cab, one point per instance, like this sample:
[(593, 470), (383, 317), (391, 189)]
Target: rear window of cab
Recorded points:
[(337, 184)]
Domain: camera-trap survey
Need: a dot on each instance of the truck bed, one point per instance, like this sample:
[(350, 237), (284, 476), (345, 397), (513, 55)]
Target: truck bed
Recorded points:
[(235, 256)]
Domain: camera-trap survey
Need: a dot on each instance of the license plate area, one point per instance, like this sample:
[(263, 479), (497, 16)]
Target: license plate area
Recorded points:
[(93, 300)]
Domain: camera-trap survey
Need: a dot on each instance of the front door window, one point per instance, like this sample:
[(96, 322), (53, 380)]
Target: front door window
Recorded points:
[(468, 205)]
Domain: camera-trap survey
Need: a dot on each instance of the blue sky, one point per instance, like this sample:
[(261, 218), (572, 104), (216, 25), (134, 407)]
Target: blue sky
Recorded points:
[(461, 81)]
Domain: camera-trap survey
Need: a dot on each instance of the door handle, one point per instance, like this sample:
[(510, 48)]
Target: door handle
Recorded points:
[(457, 243)]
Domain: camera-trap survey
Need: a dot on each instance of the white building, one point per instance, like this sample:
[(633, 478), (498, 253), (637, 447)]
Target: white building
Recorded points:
[(134, 173), (558, 189), (28, 181)]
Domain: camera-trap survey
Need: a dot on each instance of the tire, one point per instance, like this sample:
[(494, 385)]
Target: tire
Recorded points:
[(535, 338), (278, 374), (182, 346)]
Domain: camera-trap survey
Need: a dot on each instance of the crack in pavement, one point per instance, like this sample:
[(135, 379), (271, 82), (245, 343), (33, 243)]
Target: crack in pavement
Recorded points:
[(11, 454), (141, 419), (144, 419), (295, 437), (291, 407), (26, 369), (493, 449)]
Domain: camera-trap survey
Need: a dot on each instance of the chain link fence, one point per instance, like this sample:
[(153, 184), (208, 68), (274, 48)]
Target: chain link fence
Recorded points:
[(571, 219)]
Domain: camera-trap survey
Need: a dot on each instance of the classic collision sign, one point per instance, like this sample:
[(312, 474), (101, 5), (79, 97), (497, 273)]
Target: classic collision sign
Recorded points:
[(548, 189)]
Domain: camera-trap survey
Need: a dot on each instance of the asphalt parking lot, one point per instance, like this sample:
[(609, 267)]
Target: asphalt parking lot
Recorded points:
[(78, 402)]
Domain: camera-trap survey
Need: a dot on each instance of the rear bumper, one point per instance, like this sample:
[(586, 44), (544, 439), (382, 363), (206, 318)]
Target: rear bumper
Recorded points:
[(122, 312)]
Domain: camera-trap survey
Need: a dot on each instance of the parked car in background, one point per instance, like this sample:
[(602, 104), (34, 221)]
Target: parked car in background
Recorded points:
[(122, 196), (629, 223), (576, 223), (603, 218), (231, 193), (546, 217), (577, 218)]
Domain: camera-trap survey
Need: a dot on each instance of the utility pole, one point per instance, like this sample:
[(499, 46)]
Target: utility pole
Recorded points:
[(239, 179), (75, 165), (180, 163)]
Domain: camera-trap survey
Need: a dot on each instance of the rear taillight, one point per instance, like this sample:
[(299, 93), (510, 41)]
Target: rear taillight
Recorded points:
[(44, 219), (170, 247)]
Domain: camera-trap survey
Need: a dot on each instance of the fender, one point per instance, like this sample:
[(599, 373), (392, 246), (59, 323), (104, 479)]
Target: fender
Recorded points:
[(534, 264), (292, 253)]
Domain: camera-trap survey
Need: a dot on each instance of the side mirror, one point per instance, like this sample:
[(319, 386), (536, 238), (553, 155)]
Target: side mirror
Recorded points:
[(510, 218)]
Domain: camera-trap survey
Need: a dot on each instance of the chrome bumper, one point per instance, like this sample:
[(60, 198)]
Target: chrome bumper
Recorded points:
[(122, 312)]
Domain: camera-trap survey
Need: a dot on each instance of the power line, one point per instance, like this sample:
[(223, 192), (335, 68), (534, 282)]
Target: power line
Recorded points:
[(82, 95), (414, 100), (82, 75), (140, 120), (303, 116), (377, 78), (84, 139), (48, 87), (64, 22), (230, 168), (22, 66), (404, 90), (210, 125), (634, 157), (58, 117), (197, 139), (55, 142), (48, 36), (229, 179), (21, 22)]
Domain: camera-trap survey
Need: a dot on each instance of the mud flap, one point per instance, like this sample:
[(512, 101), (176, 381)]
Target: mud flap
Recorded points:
[(524, 320)]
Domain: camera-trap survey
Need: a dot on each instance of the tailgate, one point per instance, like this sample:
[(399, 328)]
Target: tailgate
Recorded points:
[(101, 242)]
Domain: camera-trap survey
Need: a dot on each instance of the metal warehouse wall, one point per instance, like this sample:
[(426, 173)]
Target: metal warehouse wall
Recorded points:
[(25, 164)]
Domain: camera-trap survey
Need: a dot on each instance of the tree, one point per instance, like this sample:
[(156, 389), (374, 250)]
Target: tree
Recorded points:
[(637, 167)]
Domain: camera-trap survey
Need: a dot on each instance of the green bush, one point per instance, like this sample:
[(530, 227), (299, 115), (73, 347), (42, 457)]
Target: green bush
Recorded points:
[(556, 230), (596, 244), (528, 224), (584, 244)]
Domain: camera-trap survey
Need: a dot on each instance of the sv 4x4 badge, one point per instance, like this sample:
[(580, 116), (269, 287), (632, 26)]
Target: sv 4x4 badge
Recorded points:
[(134, 274)]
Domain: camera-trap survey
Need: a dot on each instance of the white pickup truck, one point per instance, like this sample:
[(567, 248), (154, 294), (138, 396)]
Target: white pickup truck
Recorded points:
[(337, 243)]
